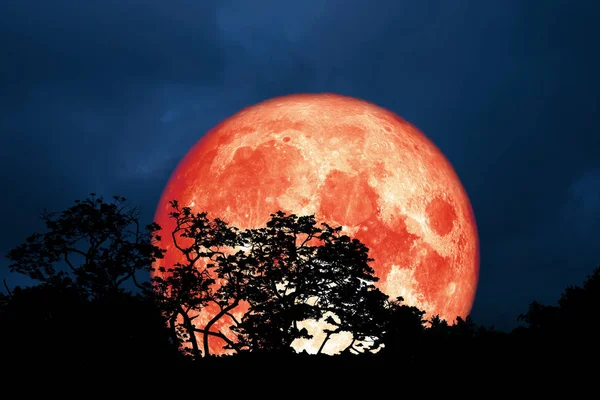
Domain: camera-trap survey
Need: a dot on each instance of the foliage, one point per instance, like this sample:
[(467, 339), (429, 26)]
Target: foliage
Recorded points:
[(93, 246), (285, 273), (89, 306), (576, 313)]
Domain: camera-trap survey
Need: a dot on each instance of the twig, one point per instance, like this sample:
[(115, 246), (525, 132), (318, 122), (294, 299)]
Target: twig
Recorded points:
[(7, 289)]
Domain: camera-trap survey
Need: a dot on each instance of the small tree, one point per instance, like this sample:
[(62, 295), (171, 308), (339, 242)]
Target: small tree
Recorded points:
[(84, 307), (93, 246)]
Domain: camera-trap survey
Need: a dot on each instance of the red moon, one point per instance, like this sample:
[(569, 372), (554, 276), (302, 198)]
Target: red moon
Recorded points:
[(350, 163)]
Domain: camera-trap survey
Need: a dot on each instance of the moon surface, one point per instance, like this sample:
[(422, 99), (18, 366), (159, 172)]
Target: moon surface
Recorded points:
[(350, 163)]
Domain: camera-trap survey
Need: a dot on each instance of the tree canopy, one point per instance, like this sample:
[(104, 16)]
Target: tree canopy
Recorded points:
[(289, 271)]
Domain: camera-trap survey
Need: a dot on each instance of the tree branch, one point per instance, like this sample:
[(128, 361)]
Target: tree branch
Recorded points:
[(124, 278), (230, 315), (136, 283), (350, 346), (69, 262), (191, 329), (308, 238), (7, 289), (220, 335), (214, 320), (74, 250), (329, 333)]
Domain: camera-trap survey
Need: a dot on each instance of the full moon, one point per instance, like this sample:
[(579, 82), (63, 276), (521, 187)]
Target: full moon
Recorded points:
[(349, 163)]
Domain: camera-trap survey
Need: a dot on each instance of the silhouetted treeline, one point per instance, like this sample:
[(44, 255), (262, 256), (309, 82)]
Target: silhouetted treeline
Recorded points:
[(250, 290)]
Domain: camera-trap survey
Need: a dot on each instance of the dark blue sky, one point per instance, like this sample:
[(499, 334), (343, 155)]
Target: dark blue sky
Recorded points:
[(107, 96)]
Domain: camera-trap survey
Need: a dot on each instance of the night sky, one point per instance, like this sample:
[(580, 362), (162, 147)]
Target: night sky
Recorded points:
[(107, 96)]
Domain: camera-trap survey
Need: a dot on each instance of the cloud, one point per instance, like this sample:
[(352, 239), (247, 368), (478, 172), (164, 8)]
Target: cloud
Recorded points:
[(81, 97), (65, 40)]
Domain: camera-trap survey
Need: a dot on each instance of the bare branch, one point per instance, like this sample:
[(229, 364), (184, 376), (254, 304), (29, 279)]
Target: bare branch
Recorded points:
[(327, 336), (74, 250), (69, 262), (230, 315), (125, 277)]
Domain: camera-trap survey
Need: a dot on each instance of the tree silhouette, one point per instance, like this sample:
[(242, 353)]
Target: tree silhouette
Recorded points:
[(541, 318), (403, 328), (280, 275), (363, 317), (93, 246), (82, 307), (580, 306), (576, 313), (300, 272), (89, 306)]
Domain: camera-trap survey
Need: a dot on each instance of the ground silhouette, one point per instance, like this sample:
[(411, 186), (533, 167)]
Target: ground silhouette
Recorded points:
[(92, 306)]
